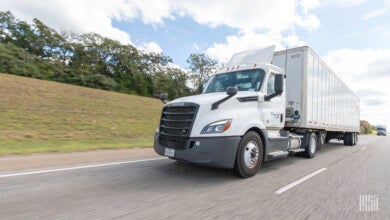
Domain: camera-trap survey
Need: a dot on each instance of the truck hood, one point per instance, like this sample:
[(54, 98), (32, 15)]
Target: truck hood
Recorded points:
[(209, 98), (241, 112)]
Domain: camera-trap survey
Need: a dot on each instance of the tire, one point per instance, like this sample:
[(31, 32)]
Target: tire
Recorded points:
[(249, 155), (321, 137), (357, 138), (311, 148), (348, 139)]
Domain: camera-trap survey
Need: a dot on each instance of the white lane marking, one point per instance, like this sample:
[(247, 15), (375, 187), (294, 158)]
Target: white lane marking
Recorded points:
[(77, 167), (363, 148), (301, 180)]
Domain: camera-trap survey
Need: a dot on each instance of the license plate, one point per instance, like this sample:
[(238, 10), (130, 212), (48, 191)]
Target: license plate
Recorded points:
[(169, 152)]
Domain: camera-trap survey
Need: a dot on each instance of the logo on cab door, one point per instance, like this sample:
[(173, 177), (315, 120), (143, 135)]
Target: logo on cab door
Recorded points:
[(276, 114)]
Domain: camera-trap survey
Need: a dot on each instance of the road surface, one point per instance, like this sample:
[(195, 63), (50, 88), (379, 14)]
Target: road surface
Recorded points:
[(329, 186)]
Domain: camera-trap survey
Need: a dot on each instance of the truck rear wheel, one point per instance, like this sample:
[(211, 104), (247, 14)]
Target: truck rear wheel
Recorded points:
[(321, 136), (311, 148), (356, 138), (348, 139), (249, 155)]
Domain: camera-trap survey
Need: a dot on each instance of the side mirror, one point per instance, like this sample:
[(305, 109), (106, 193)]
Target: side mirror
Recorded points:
[(164, 97), (231, 91), (279, 83)]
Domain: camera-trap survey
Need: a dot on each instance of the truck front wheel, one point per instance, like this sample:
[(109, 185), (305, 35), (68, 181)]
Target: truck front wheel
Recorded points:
[(249, 155)]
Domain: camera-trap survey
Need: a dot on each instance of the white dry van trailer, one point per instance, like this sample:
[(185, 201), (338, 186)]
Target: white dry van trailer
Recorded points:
[(262, 106)]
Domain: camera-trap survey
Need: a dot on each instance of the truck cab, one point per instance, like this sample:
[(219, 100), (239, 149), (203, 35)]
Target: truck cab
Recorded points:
[(240, 112), (381, 130)]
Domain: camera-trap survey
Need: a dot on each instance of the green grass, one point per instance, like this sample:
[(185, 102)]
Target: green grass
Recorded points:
[(43, 116)]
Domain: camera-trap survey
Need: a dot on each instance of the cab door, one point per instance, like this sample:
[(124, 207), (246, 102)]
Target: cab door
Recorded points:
[(273, 110)]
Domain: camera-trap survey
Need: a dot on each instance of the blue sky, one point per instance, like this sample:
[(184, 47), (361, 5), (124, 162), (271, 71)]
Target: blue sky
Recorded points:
[(351, 36)]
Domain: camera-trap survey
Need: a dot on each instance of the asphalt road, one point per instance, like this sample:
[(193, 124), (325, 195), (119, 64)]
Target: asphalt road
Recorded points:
[(167, 189)]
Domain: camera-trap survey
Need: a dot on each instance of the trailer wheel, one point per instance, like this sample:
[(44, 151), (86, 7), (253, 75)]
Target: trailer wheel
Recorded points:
[(311, 148), (249, 156), (348, 139), (356, 138), (321, 136)]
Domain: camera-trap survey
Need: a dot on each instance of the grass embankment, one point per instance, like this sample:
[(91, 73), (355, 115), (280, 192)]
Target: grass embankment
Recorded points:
[(43, 116)]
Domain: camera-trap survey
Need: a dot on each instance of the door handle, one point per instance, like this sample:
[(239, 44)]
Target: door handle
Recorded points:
[(281, 118)]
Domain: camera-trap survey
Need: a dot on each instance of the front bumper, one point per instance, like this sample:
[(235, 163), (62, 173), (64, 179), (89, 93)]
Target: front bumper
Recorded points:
[(210, 151)]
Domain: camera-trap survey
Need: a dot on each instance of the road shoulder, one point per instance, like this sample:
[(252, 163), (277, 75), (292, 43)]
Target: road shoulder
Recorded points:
[(35, 161)]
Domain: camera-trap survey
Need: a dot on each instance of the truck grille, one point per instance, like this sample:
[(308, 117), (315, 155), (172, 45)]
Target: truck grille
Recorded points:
[(176, 124)]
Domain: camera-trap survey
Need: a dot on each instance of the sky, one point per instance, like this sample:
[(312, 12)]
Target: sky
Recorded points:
[(351, 36)]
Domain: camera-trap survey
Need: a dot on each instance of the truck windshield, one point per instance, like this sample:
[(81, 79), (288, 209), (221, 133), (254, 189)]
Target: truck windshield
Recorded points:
[(245, 80)]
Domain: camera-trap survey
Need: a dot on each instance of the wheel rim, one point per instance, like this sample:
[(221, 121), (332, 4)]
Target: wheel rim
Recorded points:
[(251, 154), (312, 146)]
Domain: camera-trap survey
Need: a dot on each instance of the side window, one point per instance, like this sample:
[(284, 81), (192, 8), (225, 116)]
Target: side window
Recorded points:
[(271, 84)]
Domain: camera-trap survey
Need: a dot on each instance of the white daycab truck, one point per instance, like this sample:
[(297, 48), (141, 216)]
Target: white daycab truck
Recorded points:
[(250, 112)]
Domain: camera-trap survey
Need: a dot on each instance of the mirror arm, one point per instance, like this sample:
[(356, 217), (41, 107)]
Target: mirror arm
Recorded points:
[(216, 104)]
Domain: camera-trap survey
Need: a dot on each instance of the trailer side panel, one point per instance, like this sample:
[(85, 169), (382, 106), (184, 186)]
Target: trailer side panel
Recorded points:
[(323, 100)]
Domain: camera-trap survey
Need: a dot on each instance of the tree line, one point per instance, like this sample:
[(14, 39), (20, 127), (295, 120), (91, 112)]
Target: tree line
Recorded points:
[(38, 51), (366, 127)]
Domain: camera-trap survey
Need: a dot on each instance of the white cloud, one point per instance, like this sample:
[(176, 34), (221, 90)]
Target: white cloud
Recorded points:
[(309, 22), (151, 11), (250, 40), (343, 3), (308, 5), (150, 47), (96, 15), (244, 14), (292, 41), (78, 16), (275, 15), (376, 13), (367, 72), (195, 46)]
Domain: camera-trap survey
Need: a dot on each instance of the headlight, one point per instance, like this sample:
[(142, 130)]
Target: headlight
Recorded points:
[(217, 127)]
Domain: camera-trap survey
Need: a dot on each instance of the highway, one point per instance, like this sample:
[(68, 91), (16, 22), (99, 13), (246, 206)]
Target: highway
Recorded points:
[(329, 186)]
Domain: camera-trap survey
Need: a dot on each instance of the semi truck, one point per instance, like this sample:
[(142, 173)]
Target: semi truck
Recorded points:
[(261, 106), (381, 130)]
